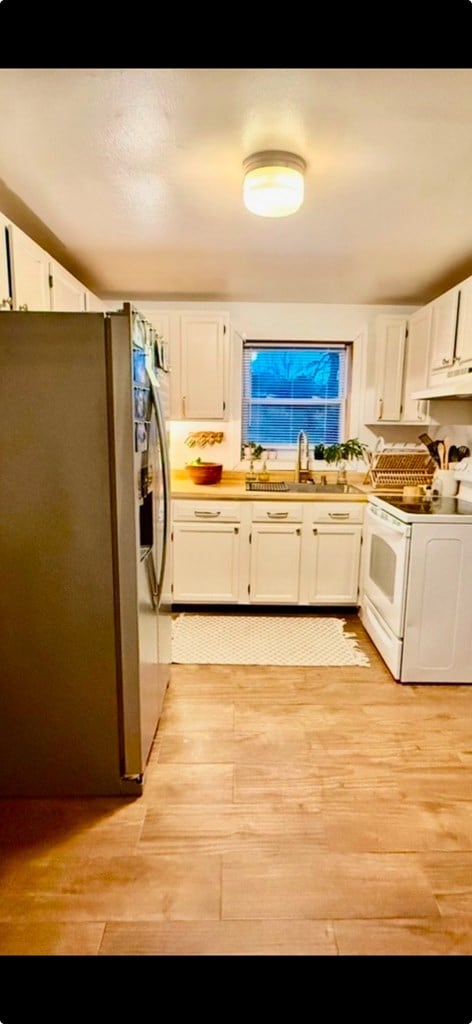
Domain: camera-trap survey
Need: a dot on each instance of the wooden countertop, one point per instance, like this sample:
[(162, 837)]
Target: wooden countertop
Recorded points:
[(233, 488)]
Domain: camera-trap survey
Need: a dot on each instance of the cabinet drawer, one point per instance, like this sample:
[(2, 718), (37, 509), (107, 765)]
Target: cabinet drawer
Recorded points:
[(337, 512), (201, 511), (276, 511)]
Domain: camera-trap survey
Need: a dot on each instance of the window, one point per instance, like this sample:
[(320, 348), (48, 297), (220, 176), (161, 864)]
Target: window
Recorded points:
[(293, 386)]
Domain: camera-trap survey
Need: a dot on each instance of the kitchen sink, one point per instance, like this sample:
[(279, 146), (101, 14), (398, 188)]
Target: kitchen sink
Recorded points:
[(314, 488), (305, 487)]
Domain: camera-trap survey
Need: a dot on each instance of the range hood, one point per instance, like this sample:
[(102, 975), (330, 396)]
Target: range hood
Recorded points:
[(457, 385)]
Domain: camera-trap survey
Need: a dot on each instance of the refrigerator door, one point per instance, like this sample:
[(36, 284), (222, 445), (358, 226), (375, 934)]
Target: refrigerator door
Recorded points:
[(132, 599), (162, 534), (141, 479)]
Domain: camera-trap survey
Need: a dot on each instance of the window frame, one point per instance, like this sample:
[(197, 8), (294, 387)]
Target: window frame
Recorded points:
[(281, 451)]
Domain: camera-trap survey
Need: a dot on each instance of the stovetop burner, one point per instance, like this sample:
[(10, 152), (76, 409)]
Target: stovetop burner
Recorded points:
[(436, 505)]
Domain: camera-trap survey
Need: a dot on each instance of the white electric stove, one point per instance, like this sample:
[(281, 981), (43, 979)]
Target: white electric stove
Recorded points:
[(416, 587)]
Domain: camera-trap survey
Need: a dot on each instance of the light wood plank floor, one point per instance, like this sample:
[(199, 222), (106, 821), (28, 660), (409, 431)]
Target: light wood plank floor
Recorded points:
[(316, 812)]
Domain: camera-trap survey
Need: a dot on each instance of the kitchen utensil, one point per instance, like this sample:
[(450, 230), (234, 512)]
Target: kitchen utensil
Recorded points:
[(447, 445), (463, 451), (425, 439), (441, 454), (454, 454), (431, 445)]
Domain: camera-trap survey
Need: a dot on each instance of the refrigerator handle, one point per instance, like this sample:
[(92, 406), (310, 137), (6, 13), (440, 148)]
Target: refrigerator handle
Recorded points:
[(166, 483), (152, 580)]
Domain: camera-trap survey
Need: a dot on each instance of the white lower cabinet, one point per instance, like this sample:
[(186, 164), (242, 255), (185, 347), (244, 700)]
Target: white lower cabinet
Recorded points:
[(333, 564), (206, 562), (275, 563), (275, 541), (206, 552), (266, 552), (331, 553)]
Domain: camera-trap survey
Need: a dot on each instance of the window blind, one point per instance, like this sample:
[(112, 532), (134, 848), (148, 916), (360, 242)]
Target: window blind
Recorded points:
[(293, 386)]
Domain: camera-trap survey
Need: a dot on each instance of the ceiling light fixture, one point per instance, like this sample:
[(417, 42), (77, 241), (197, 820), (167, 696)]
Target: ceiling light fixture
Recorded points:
[(273, 183)]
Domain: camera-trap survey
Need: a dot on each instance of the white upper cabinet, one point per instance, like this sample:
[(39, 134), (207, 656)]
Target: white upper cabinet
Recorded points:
[(67, 293), (390, 341), (463, 350), (402, 348), (203, 365), (443, 332), (416, 365), (5, 297), (93, 304), (29, 270), (161, 323)]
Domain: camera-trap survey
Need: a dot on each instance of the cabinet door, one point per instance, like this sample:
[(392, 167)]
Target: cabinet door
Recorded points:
[(5, 296), (275, 563), (463, 352), (206, 560), (93, 304), (67, 294), (390, 347), (161, 323), (334, 564), (30, 272), (202, 370), (443, 330), (416, 365)]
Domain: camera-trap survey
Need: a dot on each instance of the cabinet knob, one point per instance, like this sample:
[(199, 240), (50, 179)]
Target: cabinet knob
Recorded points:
[(446, 361), (315, 529), (23, 308), (6, 303), (380, 409)]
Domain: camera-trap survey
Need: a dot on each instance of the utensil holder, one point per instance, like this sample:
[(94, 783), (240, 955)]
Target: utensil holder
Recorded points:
[(444, 480)]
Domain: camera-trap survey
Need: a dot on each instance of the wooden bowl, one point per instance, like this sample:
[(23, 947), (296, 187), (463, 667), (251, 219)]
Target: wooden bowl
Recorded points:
[(205, 473)]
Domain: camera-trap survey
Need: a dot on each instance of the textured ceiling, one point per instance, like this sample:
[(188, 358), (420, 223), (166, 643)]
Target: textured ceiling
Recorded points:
[(135, 176)]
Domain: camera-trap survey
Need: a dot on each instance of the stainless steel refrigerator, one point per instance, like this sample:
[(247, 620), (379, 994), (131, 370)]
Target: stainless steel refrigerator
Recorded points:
[(84, 523)]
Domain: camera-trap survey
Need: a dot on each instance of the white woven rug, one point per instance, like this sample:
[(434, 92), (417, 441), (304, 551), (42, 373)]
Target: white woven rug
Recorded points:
[(263, 640)]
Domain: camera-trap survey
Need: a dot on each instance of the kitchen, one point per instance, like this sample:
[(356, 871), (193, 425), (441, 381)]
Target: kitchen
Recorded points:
[(212, 713)]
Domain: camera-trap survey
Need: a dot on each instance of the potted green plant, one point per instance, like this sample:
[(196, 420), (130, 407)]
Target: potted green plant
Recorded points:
[(344, 451), (340, 453)]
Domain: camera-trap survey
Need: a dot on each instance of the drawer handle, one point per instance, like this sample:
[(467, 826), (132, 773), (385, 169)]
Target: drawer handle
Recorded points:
[(339, 515), (277, 515), (206, 515)]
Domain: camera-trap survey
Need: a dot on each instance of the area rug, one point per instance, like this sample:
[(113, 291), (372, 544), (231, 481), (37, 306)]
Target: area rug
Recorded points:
[(263, 640)]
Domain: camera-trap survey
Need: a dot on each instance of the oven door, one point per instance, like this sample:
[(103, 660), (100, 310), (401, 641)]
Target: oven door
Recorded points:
[(385, 566)]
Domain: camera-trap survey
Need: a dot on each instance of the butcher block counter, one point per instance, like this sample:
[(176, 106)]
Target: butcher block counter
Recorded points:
[(232, 487)]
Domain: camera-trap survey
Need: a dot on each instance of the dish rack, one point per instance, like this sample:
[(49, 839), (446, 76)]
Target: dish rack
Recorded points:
[(392, 471)]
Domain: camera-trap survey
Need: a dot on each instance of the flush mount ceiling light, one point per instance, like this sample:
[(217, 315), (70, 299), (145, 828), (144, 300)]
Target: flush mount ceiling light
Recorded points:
[(273, 183)]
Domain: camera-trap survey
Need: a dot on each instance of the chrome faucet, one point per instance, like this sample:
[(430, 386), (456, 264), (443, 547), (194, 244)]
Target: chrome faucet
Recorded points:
[(302, 456)]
